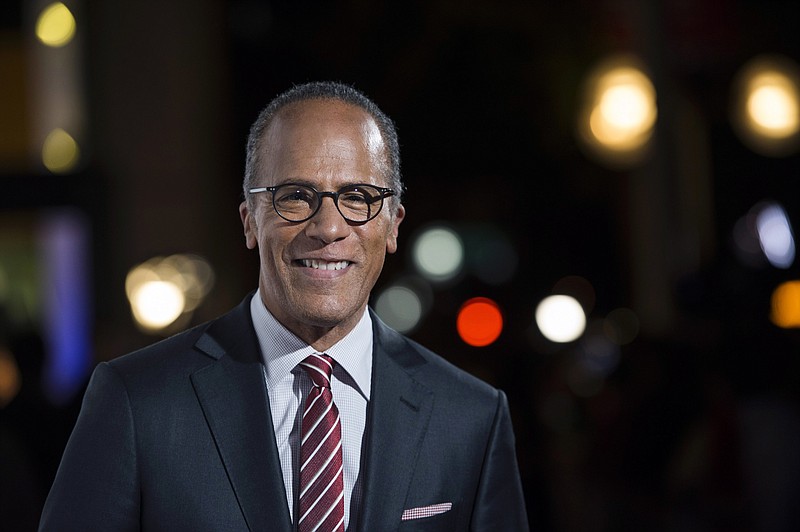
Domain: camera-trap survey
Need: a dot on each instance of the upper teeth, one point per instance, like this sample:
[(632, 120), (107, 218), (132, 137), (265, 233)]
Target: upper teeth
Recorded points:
[(324, 265)]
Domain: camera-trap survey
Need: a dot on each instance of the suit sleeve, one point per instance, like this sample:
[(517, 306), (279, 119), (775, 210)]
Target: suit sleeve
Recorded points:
[(500, 504), (97, 487)]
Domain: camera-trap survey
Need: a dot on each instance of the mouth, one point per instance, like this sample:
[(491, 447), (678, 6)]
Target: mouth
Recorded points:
[(324, 264)]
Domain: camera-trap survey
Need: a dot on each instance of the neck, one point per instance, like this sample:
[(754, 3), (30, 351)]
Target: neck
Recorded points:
[(319, 335), (320, 338)]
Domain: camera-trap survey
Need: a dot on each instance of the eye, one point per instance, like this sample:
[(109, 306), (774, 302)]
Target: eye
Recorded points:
[(353, 197), (293, 195), (360, 194)]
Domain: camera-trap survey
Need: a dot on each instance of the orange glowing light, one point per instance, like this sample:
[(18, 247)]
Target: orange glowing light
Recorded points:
[(786, 305), (479, 322)]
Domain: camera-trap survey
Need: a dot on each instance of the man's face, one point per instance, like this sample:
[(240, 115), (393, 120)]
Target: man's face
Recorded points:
[(316, 276)]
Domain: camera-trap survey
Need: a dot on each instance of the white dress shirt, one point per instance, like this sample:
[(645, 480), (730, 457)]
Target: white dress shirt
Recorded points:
[(288, 385)]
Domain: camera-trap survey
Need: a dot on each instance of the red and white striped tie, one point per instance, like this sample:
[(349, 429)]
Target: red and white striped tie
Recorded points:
[(321, 505)]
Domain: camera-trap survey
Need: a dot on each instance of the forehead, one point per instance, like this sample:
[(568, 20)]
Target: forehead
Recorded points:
[(320, 138), (320, 120), (321, 109)]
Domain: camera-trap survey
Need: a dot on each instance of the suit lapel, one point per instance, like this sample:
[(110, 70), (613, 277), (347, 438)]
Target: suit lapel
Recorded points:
[(233, 396), (398, 416)]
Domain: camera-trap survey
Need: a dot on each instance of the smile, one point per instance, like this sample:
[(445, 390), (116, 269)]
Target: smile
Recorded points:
[(324, 265)]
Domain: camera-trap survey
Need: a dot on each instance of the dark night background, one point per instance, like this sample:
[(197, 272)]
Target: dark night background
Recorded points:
[(697, 428)]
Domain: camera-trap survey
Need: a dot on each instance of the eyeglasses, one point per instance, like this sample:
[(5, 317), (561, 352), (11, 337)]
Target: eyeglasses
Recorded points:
[(356, 203)]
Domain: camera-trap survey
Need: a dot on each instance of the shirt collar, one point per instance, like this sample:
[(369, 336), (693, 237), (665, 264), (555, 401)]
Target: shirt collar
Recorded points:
[(282, 350)]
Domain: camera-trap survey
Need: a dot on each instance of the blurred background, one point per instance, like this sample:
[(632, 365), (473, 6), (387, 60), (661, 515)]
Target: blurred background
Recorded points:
[(600, 200)]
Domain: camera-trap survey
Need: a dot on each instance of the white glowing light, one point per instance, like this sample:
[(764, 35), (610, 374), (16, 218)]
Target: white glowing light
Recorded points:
[(163, 289), (625, 110), (560, 318), (772, 105), (775, 236), (766, 105), (619, 112), (400, 307), (156, 304), (438, 254), (625, 107)]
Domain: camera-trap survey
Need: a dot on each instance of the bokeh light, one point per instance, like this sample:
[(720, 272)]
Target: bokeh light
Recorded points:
[(10, 378), (765, 235), (156, 304), (196, 277), (400, 307), (766, 105), (619, 111), (479, 322), (775, 235), (786, 305), (560, 318), (438, 253), (56, 25), (60, 152), (772, 107), (163, 289), (64, 241)]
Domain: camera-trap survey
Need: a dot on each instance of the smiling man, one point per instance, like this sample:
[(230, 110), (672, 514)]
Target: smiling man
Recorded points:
[(299, 409), (320, 259)]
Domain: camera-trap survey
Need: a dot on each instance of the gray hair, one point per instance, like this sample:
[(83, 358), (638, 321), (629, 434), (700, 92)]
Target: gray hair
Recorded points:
[(326, 90)]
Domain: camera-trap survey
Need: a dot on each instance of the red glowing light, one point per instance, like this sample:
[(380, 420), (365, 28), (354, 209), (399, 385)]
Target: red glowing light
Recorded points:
[(479, 322)]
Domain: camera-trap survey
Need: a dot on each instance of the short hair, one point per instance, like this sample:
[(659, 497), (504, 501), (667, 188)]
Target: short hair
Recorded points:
[(326, 90)]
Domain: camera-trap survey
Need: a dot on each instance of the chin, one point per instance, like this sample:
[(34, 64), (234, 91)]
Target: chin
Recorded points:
[(330, 316)]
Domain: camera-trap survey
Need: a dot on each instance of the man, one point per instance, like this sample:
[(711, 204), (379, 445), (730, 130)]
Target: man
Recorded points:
[(299, 409)]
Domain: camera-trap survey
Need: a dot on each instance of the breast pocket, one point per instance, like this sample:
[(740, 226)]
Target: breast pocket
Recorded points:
[(445, 521)]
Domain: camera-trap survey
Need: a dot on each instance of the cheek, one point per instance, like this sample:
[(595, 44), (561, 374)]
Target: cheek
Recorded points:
[(270, 251), (273, 243)]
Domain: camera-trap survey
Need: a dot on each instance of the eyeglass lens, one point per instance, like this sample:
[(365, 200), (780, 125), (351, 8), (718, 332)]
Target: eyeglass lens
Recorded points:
[(358, 203)]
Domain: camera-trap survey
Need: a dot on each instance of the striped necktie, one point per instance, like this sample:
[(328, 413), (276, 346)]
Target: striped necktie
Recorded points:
[(321, 502)]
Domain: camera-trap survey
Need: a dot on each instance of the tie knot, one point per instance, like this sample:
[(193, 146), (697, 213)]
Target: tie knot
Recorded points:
[(319, 368)]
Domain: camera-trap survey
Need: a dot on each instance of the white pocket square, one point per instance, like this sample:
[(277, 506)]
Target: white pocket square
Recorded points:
[(426, 511)]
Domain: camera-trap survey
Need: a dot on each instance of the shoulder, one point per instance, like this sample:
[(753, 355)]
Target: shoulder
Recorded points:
[(441, 370), (229, 334), (429, 368), (161, 355)]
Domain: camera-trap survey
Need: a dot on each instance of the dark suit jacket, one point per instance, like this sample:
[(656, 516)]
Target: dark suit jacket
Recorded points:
[(178, 436)]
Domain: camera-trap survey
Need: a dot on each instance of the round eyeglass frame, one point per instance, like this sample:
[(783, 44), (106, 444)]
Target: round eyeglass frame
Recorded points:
[(382, 193)]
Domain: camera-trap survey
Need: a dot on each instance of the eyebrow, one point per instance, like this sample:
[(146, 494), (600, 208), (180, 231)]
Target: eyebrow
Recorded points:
[(293, 181)]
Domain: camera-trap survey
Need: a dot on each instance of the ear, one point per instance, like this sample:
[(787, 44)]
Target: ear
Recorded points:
[(248, 225), (391, 241)]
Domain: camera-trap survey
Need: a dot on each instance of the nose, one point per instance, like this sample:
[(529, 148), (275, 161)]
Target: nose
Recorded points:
[(327, 224)]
